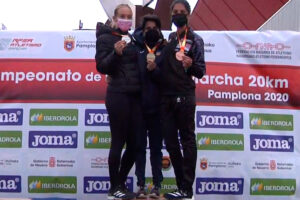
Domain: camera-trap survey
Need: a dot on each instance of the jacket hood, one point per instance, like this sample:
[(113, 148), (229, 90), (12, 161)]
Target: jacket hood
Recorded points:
[(138, 36), (103, 29)]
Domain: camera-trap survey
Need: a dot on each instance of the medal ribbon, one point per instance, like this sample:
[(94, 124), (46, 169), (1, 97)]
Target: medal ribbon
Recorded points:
[(118, 34), (153, 49), (183, 43)]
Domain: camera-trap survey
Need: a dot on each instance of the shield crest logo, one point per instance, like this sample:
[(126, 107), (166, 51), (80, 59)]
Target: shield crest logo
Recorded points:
[(69, 43), (203, 164), (166, 163), (272, 164)]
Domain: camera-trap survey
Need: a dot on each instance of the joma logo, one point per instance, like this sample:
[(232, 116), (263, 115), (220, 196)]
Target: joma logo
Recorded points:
[(96, 117), (219, 120), (11, 116), (232, 186), (96, 184), (10, 183), (63, 139), (101, 185), (272, 143)]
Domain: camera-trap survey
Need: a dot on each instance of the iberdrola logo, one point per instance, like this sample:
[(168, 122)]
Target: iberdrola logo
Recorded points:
[(52, 184), (273, 187), (149, 186), (93, 139), (257, 187), (256, 122), (35, 185), (97, 140), (227, 142), (204, 141), (271, 121), (37, 117), (167, 185), (53, 117)]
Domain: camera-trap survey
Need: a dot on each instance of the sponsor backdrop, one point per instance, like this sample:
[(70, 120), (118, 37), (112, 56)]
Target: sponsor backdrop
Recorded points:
[(54, 128)]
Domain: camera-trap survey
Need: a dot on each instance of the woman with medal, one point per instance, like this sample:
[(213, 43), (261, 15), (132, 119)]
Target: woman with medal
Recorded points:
[(116, 56), (183, 58), (150, 42)]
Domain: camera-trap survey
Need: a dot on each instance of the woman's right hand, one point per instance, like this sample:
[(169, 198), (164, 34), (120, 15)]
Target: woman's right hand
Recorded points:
[(151, 65), (119, 46)]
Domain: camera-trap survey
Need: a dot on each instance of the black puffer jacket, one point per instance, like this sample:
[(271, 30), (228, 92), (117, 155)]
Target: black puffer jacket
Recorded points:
[(122, 70)]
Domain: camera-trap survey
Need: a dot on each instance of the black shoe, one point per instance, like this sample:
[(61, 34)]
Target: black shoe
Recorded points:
[(110, 195), (179, 194), (154, 194), (123, 193), (141, 193)]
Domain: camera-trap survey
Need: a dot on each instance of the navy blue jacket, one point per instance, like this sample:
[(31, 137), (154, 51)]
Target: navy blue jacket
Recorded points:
[(150, 88)]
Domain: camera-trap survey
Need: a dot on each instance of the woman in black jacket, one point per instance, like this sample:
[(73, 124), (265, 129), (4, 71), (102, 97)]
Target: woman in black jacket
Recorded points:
[(183, 59), (116, 56)]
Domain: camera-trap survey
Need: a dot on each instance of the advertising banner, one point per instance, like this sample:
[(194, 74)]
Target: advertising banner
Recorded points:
[(54, 127)]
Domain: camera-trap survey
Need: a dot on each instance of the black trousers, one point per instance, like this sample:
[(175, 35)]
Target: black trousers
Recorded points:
[(125, 117), (152, 129), (178, 115)]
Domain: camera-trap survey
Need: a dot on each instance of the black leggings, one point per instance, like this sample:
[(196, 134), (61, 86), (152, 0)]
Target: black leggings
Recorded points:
[(178, 114), (125, 116)]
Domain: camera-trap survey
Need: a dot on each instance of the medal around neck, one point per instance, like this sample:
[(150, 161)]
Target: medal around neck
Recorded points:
[(179, 55), (151, 57), (126, 38)]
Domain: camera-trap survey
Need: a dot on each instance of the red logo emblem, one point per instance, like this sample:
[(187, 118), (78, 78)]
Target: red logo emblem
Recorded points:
[(69, 43), (166, 163), (203, 164), (272, 164), (52, 162)]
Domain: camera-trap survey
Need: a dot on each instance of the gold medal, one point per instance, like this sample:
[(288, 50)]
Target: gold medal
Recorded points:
[(126, 38), (151, 52), (179, 55), (151, 57)]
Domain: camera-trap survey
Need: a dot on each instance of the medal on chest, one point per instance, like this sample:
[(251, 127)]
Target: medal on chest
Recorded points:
[(151, 52), (179, 55)]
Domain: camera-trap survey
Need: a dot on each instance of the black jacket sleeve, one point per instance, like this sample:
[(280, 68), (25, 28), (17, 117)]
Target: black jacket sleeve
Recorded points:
[(106, 58), (198, 67)]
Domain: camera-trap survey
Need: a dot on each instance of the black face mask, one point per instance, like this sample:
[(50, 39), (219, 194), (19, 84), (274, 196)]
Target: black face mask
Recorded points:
[(179, 20), (151, 37)]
